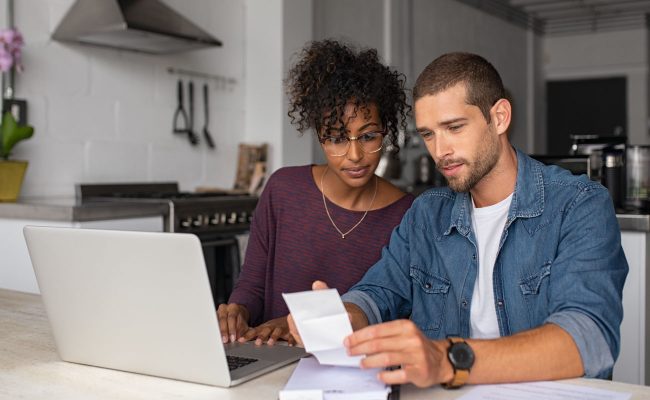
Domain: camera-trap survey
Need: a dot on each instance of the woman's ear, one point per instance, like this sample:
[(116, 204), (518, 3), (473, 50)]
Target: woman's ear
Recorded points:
[(501, 114)]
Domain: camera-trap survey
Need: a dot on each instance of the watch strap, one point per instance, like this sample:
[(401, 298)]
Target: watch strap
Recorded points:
[(461, 376)]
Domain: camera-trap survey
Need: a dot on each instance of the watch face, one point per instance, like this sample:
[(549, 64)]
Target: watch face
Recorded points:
[(461, 356)]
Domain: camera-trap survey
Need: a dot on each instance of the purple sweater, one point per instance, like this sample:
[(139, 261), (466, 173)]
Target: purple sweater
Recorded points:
[(292, 243)]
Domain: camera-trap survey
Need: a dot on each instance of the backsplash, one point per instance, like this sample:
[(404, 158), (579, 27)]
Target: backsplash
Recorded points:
[(105, 115)]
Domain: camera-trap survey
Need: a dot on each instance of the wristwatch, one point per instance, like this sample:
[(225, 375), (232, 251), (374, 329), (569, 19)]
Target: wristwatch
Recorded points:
[(461, 357)]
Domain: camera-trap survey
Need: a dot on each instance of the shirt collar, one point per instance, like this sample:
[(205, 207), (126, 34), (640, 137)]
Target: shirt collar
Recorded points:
[(527, 200)]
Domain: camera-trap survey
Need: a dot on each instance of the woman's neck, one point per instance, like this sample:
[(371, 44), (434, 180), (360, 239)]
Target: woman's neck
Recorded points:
[(341, 194)]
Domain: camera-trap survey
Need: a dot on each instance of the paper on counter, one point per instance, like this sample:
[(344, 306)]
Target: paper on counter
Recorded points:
[(322, 323), (313, 381), (541, 391)]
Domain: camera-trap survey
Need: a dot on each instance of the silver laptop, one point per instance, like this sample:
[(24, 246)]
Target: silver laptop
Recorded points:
[(140, 302)]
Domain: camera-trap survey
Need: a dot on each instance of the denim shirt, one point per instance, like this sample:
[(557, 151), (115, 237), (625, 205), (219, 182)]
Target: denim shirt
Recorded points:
[(560, 261)]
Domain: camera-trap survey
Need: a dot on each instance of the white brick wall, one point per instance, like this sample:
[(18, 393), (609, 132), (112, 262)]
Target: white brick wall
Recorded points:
[(104, 115)]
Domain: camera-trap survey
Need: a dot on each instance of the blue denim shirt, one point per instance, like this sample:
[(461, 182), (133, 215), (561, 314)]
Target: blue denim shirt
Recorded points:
[(560, 261)]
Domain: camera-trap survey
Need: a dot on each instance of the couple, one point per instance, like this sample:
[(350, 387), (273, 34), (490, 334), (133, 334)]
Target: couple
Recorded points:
[(513, 273)]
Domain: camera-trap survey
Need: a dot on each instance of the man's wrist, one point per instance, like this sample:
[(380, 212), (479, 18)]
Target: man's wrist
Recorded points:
[(445, 370), (358, 318)]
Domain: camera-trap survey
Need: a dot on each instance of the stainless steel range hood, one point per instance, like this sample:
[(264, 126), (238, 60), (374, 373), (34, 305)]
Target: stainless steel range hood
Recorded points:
[(147, 26)]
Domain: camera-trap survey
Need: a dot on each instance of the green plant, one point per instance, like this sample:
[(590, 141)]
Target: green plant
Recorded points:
[(12, 133)]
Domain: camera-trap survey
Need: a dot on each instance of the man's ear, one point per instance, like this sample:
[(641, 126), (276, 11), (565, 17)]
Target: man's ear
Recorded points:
[(501, 114)]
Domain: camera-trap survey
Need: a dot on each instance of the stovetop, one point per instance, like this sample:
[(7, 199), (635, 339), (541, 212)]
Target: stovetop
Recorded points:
[(188, 212)]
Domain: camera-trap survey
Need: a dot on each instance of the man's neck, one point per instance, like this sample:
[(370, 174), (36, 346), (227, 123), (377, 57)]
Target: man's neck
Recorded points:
[(500, 182)]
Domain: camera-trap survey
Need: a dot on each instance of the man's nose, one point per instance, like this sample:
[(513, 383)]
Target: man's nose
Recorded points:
[(442, 147)]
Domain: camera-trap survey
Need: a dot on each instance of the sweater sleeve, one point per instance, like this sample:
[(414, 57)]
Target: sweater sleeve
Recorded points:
[(250, 287)]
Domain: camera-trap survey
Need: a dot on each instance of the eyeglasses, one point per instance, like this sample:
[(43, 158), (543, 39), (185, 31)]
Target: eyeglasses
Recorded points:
[(338, 146)]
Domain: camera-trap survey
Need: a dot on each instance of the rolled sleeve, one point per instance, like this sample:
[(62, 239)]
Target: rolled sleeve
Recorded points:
[(597, 358), (365, 303)]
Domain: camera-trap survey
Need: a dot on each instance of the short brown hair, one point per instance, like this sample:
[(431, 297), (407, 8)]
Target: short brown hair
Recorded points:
[(481, 79)]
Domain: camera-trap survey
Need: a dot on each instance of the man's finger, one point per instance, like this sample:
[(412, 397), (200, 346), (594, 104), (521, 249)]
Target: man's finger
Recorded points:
[(319, 285), (389, 359), (384, 345), (384, 330), (395, 377)]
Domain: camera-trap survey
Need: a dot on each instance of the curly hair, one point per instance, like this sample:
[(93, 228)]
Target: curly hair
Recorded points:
[(329, 75)]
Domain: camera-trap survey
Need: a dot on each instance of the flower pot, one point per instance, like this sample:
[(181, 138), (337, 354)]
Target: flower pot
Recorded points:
[(11, 179)]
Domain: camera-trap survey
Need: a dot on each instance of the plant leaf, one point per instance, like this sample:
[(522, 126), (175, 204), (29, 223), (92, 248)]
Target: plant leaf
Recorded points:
[(12, 133)]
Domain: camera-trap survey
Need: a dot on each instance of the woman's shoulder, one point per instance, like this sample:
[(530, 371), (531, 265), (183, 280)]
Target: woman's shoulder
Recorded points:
[(393, 197), (291, 176)]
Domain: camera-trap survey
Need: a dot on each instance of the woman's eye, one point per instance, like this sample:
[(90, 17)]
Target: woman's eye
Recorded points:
[(337, 139), (368, 137)]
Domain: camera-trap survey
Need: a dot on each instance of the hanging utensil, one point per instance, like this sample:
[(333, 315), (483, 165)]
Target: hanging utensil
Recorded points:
[(194, 139), (206, 120), (181, 123)]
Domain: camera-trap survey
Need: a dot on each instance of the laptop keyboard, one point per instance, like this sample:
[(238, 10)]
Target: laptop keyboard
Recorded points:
[(235, 362)]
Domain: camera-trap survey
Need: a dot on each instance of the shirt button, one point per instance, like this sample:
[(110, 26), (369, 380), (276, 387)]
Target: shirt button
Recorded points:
[(427, 285), (464, 303), (500, 303), (473, 256)]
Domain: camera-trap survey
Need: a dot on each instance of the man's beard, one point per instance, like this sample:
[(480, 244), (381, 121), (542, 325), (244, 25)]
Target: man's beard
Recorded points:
[(486, 158)]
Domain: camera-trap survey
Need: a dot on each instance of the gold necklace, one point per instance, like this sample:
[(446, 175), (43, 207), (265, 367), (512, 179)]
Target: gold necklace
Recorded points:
[(322, 179)]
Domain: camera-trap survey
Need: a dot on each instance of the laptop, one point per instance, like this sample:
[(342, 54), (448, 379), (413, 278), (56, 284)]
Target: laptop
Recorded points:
[(140, 302)]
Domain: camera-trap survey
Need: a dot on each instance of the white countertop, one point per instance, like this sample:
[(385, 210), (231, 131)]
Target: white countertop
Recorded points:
[(31, 369)]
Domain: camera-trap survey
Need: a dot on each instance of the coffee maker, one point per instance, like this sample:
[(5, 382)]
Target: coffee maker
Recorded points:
[(607, 159)]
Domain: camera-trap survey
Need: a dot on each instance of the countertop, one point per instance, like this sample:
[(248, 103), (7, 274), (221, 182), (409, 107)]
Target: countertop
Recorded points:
[(68, 209), (31, 369)]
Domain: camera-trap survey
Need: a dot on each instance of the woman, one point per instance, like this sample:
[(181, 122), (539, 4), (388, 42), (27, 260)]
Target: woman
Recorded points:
[(326, 222)]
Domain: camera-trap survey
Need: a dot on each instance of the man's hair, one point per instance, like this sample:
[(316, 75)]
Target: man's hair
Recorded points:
[(482, 81), (329, 74)]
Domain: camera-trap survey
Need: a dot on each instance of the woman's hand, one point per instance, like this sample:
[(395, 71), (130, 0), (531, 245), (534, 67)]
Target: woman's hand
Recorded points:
[(233, 321), (270, 332)]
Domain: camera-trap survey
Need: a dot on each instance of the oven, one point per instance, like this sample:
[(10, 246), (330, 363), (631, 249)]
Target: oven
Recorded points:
[(220, 221)]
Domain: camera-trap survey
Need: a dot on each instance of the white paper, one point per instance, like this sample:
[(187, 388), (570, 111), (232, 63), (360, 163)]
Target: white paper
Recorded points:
[(311, 380), (322, 323), (541, 391)]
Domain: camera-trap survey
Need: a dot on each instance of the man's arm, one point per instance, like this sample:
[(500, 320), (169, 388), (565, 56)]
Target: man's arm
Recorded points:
[(543, 353)]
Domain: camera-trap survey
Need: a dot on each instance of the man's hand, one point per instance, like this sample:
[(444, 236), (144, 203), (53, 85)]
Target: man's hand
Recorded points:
[(400, 343), (233, 321), (317, 285), (269, 333)]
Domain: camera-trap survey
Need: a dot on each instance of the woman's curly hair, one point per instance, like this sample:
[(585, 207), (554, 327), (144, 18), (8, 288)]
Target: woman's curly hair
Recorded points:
[(330, 75)]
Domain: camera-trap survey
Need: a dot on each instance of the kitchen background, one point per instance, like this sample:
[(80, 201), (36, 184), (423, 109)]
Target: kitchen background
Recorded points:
[(105, 115)]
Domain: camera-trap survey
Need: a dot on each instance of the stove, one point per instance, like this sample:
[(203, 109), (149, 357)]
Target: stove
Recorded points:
[(218, 219), (189, 212)]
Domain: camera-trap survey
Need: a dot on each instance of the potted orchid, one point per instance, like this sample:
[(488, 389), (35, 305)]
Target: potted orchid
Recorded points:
[(11, 172)]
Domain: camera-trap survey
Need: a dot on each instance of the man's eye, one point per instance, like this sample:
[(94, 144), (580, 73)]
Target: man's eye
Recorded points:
[(455, 128)]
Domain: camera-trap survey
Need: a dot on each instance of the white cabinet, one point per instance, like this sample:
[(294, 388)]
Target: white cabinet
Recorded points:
[(16, 271), (632, 363)]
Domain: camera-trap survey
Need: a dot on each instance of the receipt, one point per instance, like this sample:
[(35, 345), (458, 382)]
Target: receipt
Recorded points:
[(322, 323)]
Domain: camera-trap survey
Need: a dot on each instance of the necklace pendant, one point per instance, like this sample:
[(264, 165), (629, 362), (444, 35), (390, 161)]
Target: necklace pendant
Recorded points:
[(343, 236)]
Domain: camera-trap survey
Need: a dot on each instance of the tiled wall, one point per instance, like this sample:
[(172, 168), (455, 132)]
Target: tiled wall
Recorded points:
[(104, 115)]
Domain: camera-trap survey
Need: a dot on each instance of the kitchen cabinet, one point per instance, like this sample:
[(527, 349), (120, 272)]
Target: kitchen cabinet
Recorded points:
[(16, 271), (632, 364)]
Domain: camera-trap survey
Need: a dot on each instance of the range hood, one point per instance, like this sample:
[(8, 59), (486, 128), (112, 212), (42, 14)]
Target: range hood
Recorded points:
[(147, 26)]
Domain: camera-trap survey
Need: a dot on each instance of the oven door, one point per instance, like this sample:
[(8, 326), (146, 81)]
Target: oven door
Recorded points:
[(223, 262)]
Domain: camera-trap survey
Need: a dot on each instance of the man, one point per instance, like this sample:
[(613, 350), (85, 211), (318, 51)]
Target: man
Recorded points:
[(512, 273)]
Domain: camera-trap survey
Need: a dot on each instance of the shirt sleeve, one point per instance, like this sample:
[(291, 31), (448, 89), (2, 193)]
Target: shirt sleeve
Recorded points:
[(250, 287), (384, 293), (587, 279)]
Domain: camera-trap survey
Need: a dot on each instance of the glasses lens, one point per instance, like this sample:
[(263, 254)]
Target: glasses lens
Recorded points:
[(371, 142), (336, 145)]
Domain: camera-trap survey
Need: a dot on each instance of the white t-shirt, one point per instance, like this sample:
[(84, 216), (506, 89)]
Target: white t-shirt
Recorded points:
[(487, 223)]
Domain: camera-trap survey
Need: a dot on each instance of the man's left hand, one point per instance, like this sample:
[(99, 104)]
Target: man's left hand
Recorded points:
[(400, 343)]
